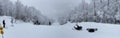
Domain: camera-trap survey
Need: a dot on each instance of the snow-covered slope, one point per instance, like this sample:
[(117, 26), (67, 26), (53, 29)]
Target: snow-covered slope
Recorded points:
[(28, 30)]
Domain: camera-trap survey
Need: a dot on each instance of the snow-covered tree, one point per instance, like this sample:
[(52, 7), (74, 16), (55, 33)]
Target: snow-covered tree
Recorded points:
[(105, 11)]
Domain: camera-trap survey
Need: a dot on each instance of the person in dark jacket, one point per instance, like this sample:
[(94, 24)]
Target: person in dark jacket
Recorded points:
[(77, 27), (49, 23), (91, 30), (3, 23)]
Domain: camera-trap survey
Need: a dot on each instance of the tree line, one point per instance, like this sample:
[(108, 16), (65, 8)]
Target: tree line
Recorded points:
[(22, 12), (102, 11)]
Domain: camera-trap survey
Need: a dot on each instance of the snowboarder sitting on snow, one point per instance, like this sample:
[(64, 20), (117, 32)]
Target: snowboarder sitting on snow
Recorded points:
[(36, 22), (3, 23), (92, 29), (77, 27)]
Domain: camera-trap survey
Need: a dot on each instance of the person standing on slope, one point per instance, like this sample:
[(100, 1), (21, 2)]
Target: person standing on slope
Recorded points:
[(4, 23), (12, 20)]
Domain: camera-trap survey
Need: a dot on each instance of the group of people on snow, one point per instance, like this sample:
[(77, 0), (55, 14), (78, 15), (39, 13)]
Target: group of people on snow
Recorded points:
[(91, 30), (76, 27), (4, 22)]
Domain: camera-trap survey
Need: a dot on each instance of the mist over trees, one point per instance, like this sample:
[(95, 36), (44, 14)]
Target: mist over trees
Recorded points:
[(103, 11), (22, 12)]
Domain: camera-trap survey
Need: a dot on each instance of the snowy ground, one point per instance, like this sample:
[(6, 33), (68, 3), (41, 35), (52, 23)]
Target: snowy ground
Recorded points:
[(28, 30)]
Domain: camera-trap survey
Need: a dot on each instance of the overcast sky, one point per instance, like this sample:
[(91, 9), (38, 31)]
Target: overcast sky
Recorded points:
[(51, 8)]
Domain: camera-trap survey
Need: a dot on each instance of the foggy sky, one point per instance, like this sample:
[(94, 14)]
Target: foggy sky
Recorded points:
[(51, 8)]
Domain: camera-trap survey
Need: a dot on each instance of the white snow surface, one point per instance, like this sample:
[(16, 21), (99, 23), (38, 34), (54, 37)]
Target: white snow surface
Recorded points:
[(28, 30)]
